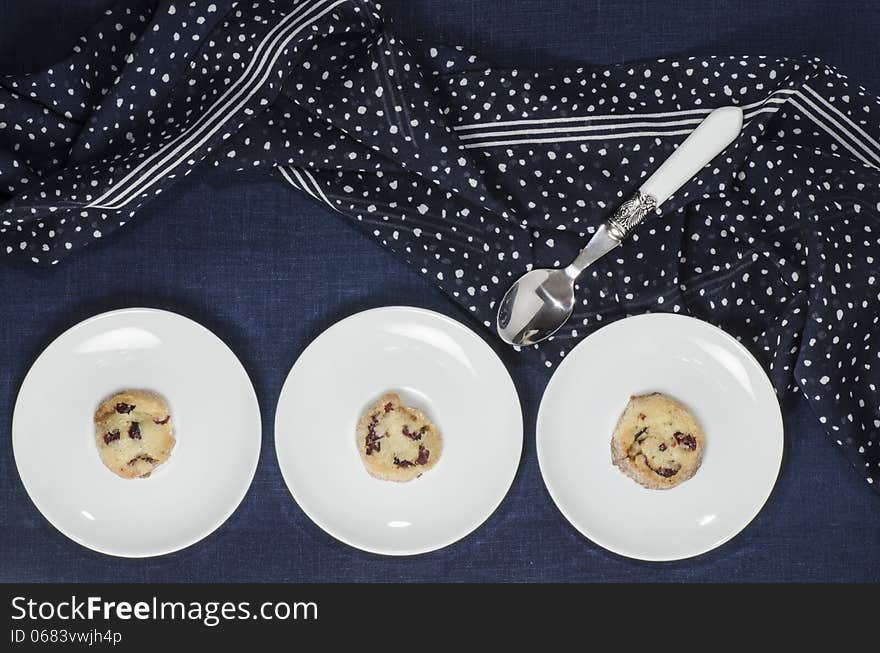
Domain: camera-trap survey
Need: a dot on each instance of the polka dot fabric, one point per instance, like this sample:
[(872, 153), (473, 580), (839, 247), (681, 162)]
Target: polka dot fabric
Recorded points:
[(476, 174)]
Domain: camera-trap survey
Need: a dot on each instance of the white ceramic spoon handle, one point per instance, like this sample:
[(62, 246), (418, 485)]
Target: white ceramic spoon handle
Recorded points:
[(708, 140)]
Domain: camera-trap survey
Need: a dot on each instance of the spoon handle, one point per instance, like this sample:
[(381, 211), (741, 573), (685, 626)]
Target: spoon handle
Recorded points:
[(708, 140)]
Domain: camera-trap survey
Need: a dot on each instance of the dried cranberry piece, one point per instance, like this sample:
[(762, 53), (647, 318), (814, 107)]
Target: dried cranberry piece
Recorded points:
[(662, 446), (423, 455), (134, 431), (144, 457), (389, 407), (372, 440), (412, 436), (373, 446), (162, 421), (666, 472), (111, 436), (123, 408), (373, 443), (402, 463), (686, 440)]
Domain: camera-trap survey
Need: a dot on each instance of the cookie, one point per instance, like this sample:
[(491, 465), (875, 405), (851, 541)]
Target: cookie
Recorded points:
[(133, 433), (396, 442), (657, 442)]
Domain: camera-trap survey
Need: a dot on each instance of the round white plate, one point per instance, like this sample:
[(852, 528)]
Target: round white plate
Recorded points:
[(435, 364), (216, 422), (719, 381)]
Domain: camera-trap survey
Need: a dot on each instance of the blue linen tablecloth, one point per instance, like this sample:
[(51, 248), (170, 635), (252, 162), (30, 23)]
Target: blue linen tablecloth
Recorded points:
[(268, 270)]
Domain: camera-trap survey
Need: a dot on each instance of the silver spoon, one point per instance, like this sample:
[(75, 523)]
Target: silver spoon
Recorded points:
[(541, 301)]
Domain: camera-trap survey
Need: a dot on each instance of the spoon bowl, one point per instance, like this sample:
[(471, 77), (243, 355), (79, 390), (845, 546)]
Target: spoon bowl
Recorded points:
[(536, 306)]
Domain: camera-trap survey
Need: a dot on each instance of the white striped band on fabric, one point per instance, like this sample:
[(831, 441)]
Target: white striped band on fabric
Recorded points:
[(216, 117), (626, 127), (303, 180), (699, 112)]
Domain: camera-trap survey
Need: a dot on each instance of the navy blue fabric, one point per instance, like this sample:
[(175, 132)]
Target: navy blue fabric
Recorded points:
[(242, 256)]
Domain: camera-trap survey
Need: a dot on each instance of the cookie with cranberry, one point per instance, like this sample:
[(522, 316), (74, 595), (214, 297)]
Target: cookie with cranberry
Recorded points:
[(133, 433), (657, 441), (396, 442)]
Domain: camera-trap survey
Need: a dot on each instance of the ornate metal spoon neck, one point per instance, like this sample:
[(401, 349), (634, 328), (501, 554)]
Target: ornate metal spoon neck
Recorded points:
[(630, 214), (612, 232)]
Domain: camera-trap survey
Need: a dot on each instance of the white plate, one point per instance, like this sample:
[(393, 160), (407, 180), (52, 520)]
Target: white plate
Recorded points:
[(216, 422), (435, 364), (722, 384)]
